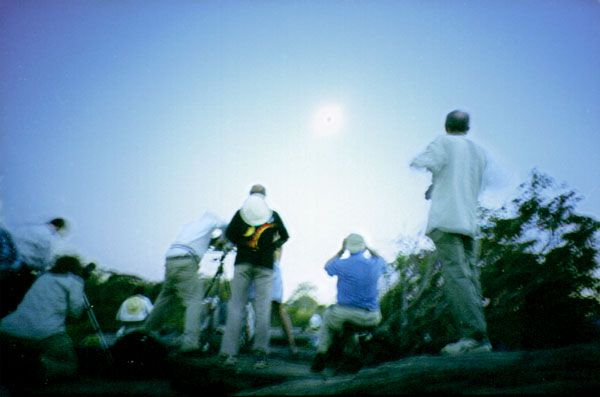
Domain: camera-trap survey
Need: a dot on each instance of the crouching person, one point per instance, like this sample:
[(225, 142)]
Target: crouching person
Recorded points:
[(357, 294), (36, 333), (133, 311)]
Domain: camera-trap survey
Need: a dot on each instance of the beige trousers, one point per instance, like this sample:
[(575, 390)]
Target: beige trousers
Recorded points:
[(183, 284), (334, 318)]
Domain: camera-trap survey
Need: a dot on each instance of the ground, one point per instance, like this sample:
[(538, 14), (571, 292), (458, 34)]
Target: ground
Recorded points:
[(572, 369)]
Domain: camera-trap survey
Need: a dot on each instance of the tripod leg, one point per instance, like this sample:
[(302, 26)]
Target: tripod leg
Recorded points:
[(96, 326)]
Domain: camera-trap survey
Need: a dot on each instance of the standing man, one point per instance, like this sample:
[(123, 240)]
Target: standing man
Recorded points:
[(182, 280), (258, 232), (277, 302), (457, 166), (357, 293)]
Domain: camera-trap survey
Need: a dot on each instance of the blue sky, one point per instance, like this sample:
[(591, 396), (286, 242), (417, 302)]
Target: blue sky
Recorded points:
[(131, 118)]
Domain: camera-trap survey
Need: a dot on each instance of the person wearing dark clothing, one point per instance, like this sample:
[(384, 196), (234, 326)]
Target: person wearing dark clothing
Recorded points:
[(258, 232)]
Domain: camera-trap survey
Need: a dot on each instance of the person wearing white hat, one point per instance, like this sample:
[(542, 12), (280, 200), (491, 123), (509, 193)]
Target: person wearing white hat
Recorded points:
[(258, 232), (357, 293), (182, 283), (133, 311)]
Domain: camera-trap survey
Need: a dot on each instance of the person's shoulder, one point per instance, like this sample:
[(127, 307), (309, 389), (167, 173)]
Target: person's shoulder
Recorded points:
[(237, 217), (333, 263), (441, 142), (442, 138), (66, 280), (74, 280), (277, 217), (476, 147), (376, 261)]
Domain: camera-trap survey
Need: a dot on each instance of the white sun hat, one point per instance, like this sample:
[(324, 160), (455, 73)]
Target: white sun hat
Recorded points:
[(133, 309), (255, 211), (355, 243)]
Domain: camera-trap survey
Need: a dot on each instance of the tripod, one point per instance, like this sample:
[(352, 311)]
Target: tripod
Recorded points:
[(209, 338), (96, 326)]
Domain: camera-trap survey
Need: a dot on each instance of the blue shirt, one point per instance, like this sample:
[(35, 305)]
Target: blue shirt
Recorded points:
[(357, 280)]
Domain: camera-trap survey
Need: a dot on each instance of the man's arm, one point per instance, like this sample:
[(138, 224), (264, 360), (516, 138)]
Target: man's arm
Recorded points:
[(432, 159), (373, 252), (281, 235), (328, 266), (232, 231)]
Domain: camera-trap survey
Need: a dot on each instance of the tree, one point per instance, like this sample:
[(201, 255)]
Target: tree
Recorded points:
[(302, 304), (415, 320), (538, 261), (539, 258)]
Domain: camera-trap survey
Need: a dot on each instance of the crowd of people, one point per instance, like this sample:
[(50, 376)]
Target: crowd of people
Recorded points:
[(258, 234)]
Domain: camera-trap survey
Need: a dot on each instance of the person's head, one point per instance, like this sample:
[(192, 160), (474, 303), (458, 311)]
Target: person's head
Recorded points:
[(355, 243), (457, 122), (71, 264), (255, 211), (59, 225), (67, 264), (258, 189)]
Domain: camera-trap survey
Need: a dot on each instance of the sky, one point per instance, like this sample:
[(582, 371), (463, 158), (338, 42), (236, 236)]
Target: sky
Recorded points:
[(132, 118)]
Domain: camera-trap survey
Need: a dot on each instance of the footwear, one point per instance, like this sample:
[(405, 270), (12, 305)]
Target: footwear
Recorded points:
[(229, 361), (260, 360), (466, 345), (318, 363)]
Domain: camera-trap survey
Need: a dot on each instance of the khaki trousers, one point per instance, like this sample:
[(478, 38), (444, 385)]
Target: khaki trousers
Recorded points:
[(243, 276), (458, 254), (334, 318), (182, 284)]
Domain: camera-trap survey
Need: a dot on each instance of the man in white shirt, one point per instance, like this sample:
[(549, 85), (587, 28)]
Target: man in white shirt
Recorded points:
[(182, 280), (36, 243), (457, 166)]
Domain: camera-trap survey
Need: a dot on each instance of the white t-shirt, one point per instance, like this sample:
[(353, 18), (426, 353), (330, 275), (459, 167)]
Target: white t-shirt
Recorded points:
[(457, 166), (36, 245), (195, 236)]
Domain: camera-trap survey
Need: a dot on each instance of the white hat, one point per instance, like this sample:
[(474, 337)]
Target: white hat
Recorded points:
[(315, 321), (255, 211), (355, 243), (133, 309), (134, 305)]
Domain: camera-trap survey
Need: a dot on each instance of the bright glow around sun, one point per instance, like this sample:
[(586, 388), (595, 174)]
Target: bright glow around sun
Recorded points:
[(328, 120)]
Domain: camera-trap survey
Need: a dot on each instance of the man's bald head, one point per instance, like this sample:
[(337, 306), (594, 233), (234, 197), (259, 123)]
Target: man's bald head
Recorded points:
[(258, 189), (457, 122)]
